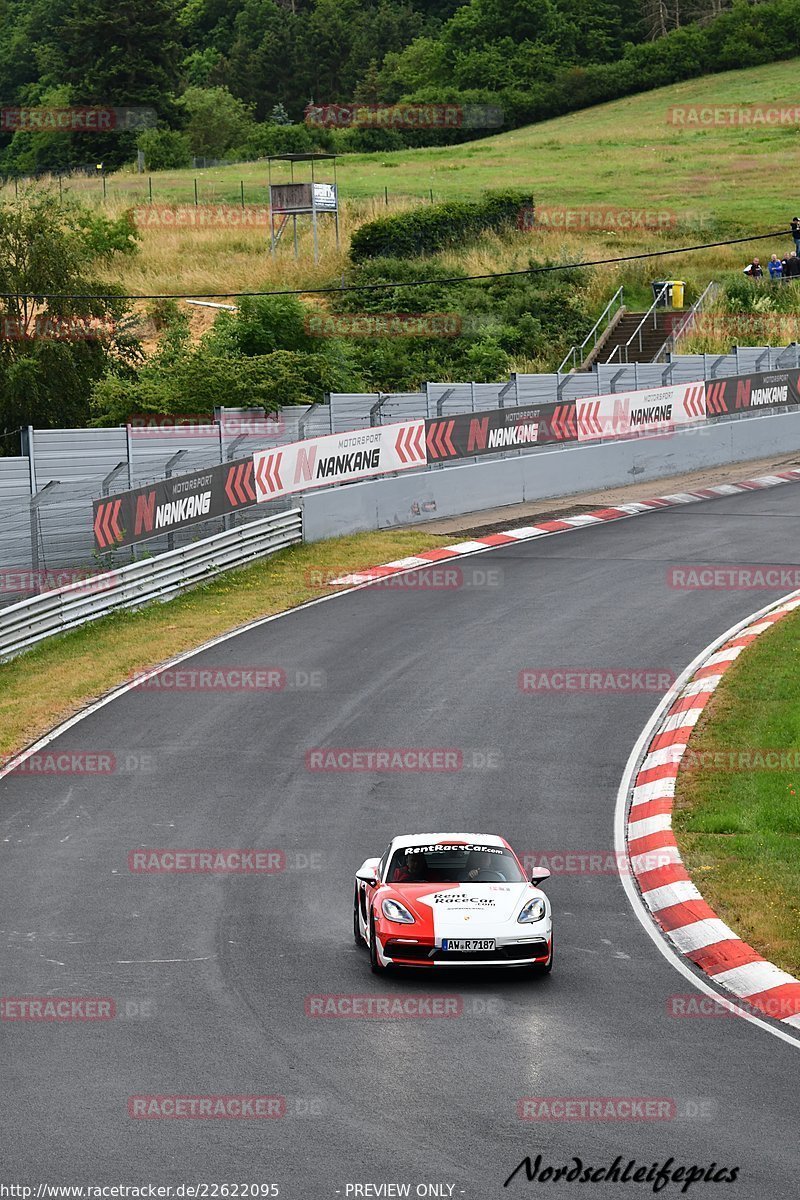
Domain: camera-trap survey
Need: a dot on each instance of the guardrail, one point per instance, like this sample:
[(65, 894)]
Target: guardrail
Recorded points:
[(577, 354), (637, 333), (684, 326), (30, 621)]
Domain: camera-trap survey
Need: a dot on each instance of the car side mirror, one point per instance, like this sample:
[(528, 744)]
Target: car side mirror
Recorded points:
[(538, 875), (367, 874)]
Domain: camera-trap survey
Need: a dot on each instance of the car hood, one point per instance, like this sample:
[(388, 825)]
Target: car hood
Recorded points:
[(463, 905)]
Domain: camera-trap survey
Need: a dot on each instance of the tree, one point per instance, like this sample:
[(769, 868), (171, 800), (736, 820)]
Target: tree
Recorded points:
[(216, 120), (119, 55), (164, 149), (53, 348)]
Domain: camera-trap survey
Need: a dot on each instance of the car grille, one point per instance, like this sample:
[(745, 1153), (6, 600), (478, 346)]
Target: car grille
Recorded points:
[(402, 952)]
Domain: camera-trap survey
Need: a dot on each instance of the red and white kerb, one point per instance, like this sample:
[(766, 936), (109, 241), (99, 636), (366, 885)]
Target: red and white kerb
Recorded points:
[(675, 903)]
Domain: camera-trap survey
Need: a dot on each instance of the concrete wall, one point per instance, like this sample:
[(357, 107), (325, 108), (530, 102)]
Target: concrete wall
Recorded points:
[(419, 496)]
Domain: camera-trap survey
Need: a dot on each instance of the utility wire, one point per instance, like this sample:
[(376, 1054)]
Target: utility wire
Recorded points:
[(372, 287)]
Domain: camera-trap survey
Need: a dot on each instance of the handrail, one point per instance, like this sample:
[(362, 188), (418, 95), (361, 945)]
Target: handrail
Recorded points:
[(637, 333), (681, 328), (579, 350)]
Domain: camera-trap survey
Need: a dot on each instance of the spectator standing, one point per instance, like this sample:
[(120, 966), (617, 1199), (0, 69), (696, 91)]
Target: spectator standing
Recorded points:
[(796, 234), (791, 266), (775, 267), (755, 270)]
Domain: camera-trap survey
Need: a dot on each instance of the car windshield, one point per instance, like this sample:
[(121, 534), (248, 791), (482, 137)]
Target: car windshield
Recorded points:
[(454, 863)]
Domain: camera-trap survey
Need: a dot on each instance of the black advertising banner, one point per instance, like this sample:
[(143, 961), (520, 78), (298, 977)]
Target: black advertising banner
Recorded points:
[(469, 434), (738, 393), (170, 504)]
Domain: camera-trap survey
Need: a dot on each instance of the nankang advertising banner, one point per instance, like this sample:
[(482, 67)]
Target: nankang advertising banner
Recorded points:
[(170, 504), (466, 435), (652, 410), (339, 458), (738, 393)]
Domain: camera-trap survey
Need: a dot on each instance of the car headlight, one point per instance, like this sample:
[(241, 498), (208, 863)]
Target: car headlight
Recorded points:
[(534, 910), (393, 910)]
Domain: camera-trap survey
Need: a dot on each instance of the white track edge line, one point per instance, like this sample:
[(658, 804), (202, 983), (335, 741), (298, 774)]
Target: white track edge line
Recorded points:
[(620, 814), (124, 688), (640, 910)]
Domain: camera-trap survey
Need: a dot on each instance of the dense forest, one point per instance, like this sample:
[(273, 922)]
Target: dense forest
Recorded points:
[(233, 78)]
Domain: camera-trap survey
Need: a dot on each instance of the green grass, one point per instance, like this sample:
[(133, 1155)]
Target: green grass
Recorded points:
[(622, 153), (63, 674), (739, 829)]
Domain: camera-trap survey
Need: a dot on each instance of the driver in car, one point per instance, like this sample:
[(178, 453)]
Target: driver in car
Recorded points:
[(479, 863), (410, 871)]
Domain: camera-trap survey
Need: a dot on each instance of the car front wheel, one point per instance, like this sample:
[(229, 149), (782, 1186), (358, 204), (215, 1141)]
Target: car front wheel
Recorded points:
[(374, 961), (358, 937)]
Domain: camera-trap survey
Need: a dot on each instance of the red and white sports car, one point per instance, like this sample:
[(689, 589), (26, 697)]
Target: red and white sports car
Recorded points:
[(452, 900)]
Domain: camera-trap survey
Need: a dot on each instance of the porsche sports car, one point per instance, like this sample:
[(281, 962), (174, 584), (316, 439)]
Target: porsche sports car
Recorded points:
[(452, 900)]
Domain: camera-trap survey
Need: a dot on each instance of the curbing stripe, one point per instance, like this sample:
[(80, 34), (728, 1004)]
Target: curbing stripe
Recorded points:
[(566, 524), (675, 903)]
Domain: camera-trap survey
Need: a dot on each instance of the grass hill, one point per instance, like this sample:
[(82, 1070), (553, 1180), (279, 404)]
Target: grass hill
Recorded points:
[(719, 182)]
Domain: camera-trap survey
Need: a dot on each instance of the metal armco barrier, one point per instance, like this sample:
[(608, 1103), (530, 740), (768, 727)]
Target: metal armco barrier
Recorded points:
[(24, 624)]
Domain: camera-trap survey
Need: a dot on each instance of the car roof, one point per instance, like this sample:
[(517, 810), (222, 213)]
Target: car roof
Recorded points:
[(431, 839)]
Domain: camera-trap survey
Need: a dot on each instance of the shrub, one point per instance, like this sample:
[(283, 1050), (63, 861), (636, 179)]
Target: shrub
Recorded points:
[(164, 149), (437, 227)]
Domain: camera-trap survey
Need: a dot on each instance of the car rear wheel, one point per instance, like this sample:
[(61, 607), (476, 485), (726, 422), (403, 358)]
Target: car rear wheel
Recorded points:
[(358, 937)]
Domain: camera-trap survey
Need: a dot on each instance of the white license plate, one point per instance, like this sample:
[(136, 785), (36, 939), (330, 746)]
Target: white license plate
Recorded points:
[(468, 945)]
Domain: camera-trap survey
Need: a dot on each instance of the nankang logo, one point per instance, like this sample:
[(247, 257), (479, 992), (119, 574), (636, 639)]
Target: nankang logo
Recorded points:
[(175, 511)]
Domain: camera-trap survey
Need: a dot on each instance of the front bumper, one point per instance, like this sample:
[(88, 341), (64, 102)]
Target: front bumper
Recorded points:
[(521, 952)]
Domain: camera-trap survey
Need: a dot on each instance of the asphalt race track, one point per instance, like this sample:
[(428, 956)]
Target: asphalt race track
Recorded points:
[(210, 973)]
